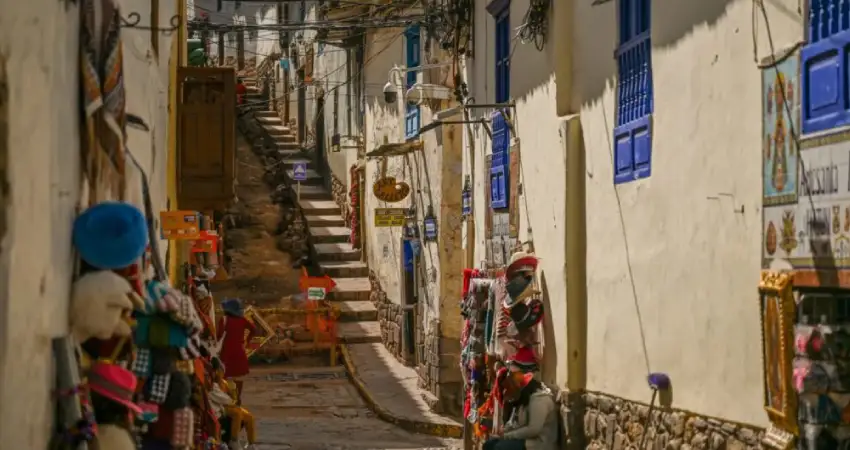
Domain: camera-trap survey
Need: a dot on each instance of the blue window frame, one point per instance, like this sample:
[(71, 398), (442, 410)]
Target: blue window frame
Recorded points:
[(633, 132), (500, 169), (503, 53), (411, 116), (825, 94)]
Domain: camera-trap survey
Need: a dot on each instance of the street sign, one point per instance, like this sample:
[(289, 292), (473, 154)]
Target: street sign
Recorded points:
[(316, 293), (179, 225), (299, 171), (390, 217)]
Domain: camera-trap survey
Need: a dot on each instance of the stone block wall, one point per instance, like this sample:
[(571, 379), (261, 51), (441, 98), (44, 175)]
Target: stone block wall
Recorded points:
[(429, 356), (340, 196), (390, 317), (439, 369), (598, 421)]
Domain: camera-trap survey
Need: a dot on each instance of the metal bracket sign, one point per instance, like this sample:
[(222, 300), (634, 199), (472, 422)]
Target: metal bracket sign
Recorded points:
[(390, 217), (299, 171)]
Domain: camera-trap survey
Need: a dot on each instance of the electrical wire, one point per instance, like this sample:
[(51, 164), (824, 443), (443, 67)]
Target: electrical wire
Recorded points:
[(535, 24)]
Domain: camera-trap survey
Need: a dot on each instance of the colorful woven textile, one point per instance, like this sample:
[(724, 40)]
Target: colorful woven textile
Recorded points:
[(103, 96)]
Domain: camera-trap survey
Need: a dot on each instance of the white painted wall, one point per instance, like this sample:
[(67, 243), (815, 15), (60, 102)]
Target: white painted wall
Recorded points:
[(331, 72), (672, 274), (542, 205), (38, 40)]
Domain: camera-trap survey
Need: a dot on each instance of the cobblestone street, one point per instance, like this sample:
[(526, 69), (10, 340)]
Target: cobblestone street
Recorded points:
[(317, 408)]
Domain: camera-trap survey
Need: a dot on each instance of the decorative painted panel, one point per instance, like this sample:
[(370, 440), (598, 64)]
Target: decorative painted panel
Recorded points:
[(814, 233), (780, 158), (776, 304)]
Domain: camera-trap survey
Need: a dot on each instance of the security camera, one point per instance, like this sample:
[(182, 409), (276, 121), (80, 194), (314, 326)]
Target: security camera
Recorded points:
[(390, 93)]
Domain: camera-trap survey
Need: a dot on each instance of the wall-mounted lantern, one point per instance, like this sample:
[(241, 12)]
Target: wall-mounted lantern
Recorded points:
[(466, 198), (335, 143), (429, 226)]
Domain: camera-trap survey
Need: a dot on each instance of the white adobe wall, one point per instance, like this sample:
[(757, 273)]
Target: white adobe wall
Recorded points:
[(694, 261), (332, 73), (38, 49), (542, 205)]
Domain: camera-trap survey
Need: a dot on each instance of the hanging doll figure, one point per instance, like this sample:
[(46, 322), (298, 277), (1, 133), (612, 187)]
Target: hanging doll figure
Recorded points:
[(231, 334), (233, 418)]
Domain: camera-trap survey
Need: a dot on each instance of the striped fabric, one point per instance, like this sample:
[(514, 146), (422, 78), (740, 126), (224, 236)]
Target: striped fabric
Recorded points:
[(103, 96)]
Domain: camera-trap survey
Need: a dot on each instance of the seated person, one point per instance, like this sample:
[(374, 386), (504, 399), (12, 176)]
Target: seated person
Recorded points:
[(532, 416), (232, 417)]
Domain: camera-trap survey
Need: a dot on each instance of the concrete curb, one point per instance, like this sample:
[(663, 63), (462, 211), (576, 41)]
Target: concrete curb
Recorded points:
[(411, 425)]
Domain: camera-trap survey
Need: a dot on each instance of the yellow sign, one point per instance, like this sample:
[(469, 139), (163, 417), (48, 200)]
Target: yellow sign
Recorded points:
[(180, 225), (390, 217)]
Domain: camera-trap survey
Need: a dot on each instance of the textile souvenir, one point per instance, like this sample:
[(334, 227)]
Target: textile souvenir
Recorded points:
[(142, 364), (183, 428), (160, 297), (521, 262), (818, 409), (518, 288), (157, 389), (179, 392), (527, 315), (185, 314), (524, 360), (110, 235), (100, 301), (115, 383)]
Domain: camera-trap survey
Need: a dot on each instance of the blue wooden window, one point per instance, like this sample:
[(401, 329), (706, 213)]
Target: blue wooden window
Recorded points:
[(411, 116), (500, 169), (503, 54), (825, 94), (633, 132)]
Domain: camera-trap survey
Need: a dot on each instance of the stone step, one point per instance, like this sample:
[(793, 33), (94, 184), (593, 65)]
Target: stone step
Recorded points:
[(275, 120), (336, 252), (319, 207), (287, 146), (359, 332), (315, 193), (279, 130), (329, 235), (351, 289), (265, 114), (357, 311), (342, 269), (324, 221)]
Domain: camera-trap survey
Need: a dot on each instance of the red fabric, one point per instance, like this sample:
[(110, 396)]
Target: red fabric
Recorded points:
[(233, 349), (467, 277), (241, 90)]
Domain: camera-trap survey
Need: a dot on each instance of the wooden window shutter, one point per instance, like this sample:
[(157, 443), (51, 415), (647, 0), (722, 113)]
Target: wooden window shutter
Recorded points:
[(308, 65), (500, 171)]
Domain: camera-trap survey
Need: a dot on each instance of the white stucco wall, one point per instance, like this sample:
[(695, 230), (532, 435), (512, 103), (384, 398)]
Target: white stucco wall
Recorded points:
[(38, 49), (672, 273), (542, 167)]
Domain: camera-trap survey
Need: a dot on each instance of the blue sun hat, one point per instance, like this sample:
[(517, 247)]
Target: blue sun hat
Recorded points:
[(233, 306), (111, 235)]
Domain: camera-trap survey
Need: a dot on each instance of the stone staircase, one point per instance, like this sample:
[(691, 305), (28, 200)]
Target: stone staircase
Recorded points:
[(328, 234)]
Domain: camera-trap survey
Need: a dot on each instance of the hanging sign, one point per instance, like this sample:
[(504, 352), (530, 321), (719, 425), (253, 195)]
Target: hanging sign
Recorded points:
[(180, 225), (206, 243), (390, 217), (387, 189)]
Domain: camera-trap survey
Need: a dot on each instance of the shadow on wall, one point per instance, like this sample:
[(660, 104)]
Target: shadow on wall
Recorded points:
[(550, 363), (596, 34)]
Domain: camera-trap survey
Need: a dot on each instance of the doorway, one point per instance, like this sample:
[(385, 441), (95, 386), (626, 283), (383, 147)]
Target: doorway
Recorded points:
[(410, 297)]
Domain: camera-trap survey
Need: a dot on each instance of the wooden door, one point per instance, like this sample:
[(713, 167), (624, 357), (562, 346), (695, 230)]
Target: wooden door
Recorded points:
[(206, 152)]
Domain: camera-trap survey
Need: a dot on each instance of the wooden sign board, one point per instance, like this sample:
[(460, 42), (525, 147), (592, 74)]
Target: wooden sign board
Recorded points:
[(390, 217), (180, 225)]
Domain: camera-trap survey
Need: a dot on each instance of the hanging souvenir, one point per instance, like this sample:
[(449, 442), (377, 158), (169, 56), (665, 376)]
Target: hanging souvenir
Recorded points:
[(110, 235)]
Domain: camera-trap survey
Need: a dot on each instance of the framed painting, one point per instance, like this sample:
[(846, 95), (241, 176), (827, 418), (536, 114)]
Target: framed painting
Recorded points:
[(264, 331), (777, 312)]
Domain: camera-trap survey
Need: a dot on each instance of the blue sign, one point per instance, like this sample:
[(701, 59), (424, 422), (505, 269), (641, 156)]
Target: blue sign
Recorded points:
[(299, 171)]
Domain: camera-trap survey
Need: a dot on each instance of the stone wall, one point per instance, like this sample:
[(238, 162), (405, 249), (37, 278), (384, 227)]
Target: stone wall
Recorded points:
[(599, 421), (390, 316), (429, 356), (340, 196)]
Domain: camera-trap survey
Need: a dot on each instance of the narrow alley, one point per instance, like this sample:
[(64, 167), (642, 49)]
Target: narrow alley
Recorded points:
[(298, 400)]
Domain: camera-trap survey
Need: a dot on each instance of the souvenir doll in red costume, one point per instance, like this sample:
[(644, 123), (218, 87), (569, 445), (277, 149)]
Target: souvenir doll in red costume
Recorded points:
[(231, 336)]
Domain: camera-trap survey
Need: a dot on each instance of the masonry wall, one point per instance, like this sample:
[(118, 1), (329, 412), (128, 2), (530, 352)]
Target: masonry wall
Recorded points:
[(40, 166), (673, 260)]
